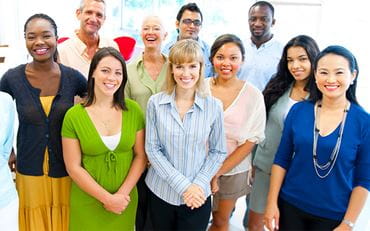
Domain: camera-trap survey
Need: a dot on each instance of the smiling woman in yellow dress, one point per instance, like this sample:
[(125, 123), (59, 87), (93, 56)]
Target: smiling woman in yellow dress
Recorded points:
[(43, 91)]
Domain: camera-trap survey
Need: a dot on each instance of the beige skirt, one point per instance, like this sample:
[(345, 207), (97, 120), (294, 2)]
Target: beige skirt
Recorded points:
[(231, 188)]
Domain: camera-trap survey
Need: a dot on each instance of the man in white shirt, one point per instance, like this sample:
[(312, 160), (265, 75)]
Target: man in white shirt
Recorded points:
[(262, 51), (77, 51)]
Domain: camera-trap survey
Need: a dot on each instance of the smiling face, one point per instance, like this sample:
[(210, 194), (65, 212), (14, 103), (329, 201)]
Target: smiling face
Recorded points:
[(298, 62), (107, 76), (186, 75), (227, 60), (188, 25), (152, 32), (41, 41), (333, 76), (91, 16), (260, 22)]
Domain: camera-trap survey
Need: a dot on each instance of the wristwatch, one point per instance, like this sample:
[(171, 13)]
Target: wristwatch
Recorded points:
[(349, 223)]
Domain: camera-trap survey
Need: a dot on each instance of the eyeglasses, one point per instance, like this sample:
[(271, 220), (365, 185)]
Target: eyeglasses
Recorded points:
[(188, 22)]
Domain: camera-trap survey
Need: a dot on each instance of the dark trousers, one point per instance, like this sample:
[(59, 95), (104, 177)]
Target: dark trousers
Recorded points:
[(293, 218), (143, 222), (169, 217)]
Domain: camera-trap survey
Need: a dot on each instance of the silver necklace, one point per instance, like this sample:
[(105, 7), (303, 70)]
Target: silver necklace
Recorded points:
[(334, 154)]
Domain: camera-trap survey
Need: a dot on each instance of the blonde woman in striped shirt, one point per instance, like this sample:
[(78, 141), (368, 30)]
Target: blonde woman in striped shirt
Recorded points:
[(185, 143)]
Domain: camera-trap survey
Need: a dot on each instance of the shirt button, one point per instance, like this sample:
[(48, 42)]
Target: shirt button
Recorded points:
[(47, 135)]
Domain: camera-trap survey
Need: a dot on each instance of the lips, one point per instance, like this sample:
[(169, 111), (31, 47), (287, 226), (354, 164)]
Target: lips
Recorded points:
[(41, 51), (186, 80), (257, 31), (110, 86), (151, 39), (331, 87)]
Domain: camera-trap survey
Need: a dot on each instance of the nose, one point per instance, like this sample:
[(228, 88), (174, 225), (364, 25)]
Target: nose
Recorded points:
[(186, 71), (93, 17), (295, 64), (226, 62), (39, 40), (331, 78)]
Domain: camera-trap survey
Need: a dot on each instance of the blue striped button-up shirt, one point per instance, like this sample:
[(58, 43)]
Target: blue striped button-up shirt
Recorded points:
[(182, 152)]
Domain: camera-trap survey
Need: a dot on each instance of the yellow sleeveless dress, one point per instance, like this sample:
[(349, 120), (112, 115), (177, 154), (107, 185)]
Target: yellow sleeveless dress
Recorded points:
[(43, 200)]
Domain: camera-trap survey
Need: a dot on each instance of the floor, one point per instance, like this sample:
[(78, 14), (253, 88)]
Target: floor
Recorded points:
[(236, 221)]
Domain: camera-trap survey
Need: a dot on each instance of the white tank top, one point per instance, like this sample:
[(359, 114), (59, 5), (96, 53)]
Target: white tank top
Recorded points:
[(111, 141)]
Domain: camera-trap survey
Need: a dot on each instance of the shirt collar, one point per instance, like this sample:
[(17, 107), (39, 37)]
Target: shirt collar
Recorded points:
[(263, 45), (81, 46), (170, 99)]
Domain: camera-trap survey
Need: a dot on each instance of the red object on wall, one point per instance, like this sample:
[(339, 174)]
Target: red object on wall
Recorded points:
[(126, 46), (62, 39)]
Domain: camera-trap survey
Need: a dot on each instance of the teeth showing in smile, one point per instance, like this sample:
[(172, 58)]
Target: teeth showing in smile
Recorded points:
[(331, 87), (41, 51), (109, 85), (186, 80), (151, 39)]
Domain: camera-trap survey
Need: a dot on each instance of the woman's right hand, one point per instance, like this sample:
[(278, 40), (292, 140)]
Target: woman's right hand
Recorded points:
[(271, 217), (12, 161), (214, 184), (117, 203)]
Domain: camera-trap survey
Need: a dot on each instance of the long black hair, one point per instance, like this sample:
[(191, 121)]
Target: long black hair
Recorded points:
[(282, 80), (315, 93), (118, 97), (52, 23)]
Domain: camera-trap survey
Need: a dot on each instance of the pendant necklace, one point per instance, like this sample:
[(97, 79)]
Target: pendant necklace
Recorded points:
[(334, 154)]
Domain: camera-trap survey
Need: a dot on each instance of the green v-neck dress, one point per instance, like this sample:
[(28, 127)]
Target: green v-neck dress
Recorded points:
[(109, 168)]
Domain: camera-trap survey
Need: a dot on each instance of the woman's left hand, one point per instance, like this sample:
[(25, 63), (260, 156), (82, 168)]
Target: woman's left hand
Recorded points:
[(343, 227)]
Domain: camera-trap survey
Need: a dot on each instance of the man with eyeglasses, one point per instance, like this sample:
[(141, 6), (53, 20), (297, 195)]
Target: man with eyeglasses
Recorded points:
[(189, 21)]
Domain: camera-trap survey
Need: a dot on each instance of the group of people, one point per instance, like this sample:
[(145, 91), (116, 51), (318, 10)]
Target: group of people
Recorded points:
[(181, 132)]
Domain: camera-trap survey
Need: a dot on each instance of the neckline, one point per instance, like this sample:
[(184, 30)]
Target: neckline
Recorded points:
[(329, 165), (97, 132), (237, 96), (317, 106)]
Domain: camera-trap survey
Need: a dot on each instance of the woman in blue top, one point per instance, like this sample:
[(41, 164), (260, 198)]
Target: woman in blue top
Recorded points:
[(8, 194), (289, 86), (320, 177), (185, 143)]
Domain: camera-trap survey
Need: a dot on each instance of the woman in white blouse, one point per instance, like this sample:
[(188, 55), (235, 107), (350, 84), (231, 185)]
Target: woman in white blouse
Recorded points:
[(244, 119)]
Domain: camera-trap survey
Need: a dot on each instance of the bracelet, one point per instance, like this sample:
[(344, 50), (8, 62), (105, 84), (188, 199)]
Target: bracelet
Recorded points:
[(349, 223)]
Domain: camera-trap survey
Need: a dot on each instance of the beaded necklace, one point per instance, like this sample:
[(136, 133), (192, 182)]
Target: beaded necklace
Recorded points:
[(334, 154)]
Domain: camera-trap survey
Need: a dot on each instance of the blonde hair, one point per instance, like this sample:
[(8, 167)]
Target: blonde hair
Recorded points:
[(186, 51)]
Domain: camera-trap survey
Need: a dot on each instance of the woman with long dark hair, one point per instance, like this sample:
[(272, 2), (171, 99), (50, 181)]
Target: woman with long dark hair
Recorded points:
[(103, 148), (320, 178), (289, 86)]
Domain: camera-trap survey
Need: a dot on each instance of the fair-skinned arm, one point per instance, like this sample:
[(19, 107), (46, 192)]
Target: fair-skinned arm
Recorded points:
[(356, 203), (272, 213), (115, 203), (215, 158)]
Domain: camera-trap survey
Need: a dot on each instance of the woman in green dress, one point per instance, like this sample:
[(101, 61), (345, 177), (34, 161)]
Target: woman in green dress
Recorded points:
[(103, 149)]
